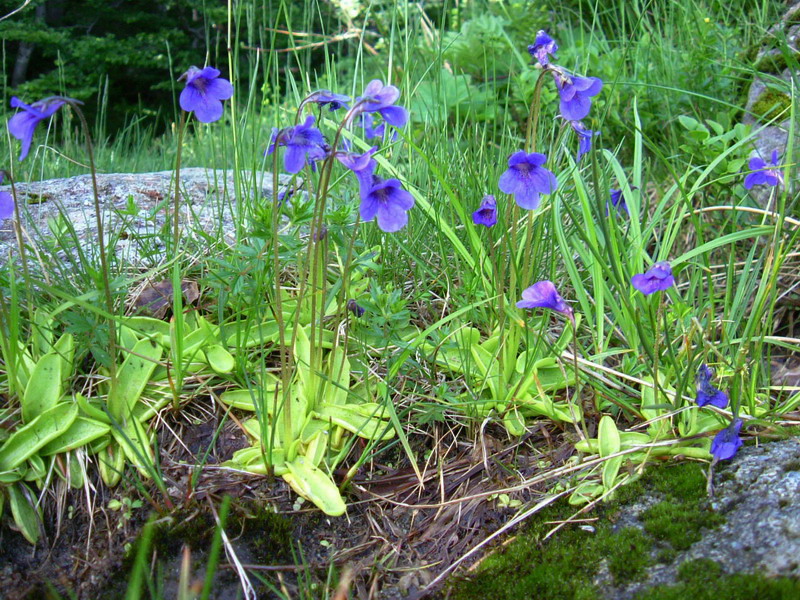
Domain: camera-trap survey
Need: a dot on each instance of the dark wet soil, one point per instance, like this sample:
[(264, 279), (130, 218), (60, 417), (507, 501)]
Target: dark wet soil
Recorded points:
[(391, 547)]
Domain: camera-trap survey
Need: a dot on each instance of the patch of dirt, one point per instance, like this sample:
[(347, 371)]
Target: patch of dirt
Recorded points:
[(397, 535)]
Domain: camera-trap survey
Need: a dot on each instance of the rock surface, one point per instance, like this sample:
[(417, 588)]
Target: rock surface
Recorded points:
[(758, 494), (135, 206)]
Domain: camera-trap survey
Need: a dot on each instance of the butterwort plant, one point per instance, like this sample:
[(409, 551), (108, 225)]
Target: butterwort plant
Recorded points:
[(305, 145), (309, 147), (543, 294), (486, 214), (22, 126), (527, 179), (202, 96)]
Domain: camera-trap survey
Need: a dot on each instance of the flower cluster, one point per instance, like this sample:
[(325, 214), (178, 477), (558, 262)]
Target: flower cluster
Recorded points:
[(575, 93), (526, 177), (384, 200)]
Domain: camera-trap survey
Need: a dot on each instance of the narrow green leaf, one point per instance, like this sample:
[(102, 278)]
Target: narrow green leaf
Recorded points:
[(20, 499), (27, 440), (44, 387), (313, 484), (608, 437), (81, 432), (132, 377)]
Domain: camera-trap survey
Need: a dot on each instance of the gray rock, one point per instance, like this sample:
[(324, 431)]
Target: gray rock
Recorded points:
[(758, 492), (134, 210), (769, 92)]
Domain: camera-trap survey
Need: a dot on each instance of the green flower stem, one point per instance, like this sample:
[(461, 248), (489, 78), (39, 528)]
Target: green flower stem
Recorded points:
[(176, 202), (285, 353), (532, 126), (20, 244), (576, 394), (656, 345), (112, 326)]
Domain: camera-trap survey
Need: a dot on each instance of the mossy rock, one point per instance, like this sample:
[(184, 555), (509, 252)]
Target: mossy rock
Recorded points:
[(770, 104), (570, 564), (703, 579)]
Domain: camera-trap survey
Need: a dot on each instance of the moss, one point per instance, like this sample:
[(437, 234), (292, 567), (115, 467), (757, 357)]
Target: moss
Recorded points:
[(770, 104), (678, 520), (268, 533), (559, 569), (679, 526), (703, 579), (772, 62), (666, 556), (184, 526), (683, 482), (629, 555), (566, 565)]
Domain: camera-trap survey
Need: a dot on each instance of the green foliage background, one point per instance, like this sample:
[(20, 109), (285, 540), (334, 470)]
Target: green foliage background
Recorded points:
[(129, 53)]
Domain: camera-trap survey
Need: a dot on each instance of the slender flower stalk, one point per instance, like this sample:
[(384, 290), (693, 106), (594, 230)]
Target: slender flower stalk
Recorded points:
[(112, 325), (284, 352), (20, 243)]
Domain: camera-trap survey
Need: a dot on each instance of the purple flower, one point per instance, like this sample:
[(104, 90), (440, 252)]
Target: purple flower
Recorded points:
[(285, 196), (362, 166), (541, 47), (707, 393), (543, 294), (486, 213), (584, 137), (388, 201), (371, 132), (6, 202), (575, 93), (657, 279), (355, 308), (761, 175), (727, 442), (23, 124), (618, 202), (327, 98), (204, 92), (526, 179), (381, 98), (304, 144), (385, 199)]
